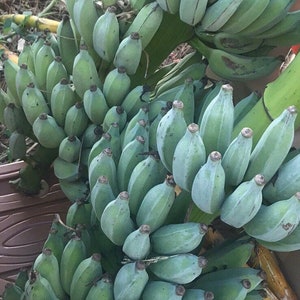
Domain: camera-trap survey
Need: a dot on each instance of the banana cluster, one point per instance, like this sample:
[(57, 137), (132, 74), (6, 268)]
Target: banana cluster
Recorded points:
[(134, 152)]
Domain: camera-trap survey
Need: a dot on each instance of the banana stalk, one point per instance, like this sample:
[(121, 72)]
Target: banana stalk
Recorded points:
[(31, 21), (278, 95)]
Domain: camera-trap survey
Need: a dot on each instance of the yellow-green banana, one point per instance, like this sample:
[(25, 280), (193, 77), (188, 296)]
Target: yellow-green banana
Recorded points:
[(47, 265), (116, 86), (106, 34), (26, 56), (87, 271), (62, 98), (73, 254), (129, 53), (33, 103), (146, 22), (44, 127), (76, 120)]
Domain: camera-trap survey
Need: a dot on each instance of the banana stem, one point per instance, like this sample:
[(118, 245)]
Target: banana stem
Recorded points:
[(31, 22), (200, 46), (278, 95)]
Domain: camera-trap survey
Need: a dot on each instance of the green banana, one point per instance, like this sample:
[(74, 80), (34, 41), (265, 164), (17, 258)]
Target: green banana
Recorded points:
[(141, 129), (199, 294), (170, 130), (189, 156), (273, 145), (84, 232), (284, 219), (245, 15), (78, 213), (136, 99), (156, 204), (75, 189), (186, 95), (17, 145), (84, 71), (73, 254), (153, 129), (229, 254), (236, 66), (103, 164), (66, 171), (47, 265), (137, 244), (131, 155), (24, 76), (236, 44), (287, 244), (285, 183), (85, 25), (76, 120), (116, 114), (163, 290), (15, 120), (245, 105), (62, 98), (179, 268), (33, 103), (217, 14), (129, 53), (146, 22), (217, 122), (95, 105), (116, 86), (130, 281), (26, 56), (67, 42), (208, 189), (236, 157), (44, 127), (102, 289), (91, 135), (69, 149), (147, 173), (192, 12), (38, 287), (10, 70), (177, 238), (138, 4), (243, 203), (11, 291), (115, 220), (275, 11), (170, 6), (87, 271), (289, 23), (101, 195), (56, 71), (106, 34), (22, 277), (44, 57)]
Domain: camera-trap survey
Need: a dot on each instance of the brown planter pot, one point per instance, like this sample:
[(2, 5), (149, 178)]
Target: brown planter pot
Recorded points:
[(24, 222)]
